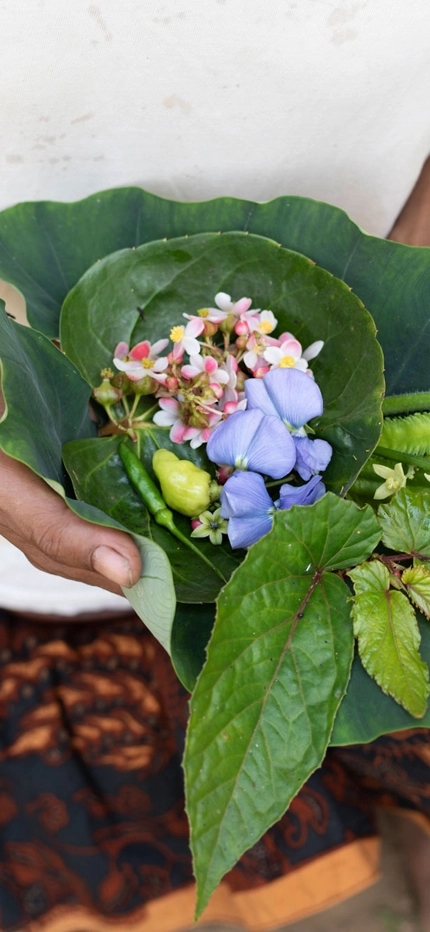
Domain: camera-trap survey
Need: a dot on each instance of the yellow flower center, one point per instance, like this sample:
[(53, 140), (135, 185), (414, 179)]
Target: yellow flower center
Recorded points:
[(147, 363), (177, 334), (265, 326), (203, 312), (393, 484), (287, 362), (106, 374)]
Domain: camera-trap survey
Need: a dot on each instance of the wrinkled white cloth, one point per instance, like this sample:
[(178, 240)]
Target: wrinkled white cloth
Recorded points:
[(23, 588), (194, 100)]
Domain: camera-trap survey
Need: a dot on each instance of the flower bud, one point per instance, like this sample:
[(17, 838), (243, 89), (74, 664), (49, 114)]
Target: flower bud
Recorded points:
[(260, 372), (185, 487), (241, 328), (171, 383), (224, 473), (217, 389), (241, 342), (144, 386), (210, 328), (228, 324), (106, 394)]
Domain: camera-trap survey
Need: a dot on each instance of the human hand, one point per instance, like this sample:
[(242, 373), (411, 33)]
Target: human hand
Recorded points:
[(37, 520)]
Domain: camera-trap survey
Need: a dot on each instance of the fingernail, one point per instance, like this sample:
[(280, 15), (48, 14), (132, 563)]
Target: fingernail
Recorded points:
[(111, 564)]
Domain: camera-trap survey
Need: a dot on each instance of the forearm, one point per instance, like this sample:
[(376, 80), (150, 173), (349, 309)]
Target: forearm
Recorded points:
[(412, 226)]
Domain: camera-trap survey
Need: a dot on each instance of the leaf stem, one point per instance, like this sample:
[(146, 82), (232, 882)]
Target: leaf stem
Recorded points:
[(421, 462), (403, 404), (174, 530)]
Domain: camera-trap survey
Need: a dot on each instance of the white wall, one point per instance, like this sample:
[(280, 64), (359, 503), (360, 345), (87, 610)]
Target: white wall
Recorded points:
[(197, 98)]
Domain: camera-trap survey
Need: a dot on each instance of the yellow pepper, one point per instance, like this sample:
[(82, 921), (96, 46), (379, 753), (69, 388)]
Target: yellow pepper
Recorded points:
[(185, 487)]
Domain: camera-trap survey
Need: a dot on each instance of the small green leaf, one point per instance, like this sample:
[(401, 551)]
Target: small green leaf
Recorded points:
[(153, 596), (417, 581), (405, 522), (388, 638), (278, 665)]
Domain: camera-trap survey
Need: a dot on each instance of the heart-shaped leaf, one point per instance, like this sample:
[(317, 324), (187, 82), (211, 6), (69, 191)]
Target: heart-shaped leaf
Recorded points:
[(163, 280), (278, 665)]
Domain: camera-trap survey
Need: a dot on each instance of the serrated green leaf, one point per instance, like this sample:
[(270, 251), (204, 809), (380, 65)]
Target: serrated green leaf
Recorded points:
[(405, 522), (278, 665), (388, 638), (417, 581)]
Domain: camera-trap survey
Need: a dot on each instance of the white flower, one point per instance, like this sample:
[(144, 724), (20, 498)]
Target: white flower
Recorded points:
[(184, 338), (265, 322), (142, 360), (211, 525), (169, 417), (208, 364), (395, 479)]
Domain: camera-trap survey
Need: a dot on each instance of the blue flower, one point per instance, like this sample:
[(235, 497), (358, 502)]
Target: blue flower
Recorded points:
[(248, 506), (313, 456), (288, 394), (295, 398), (252, 440), (306, 494)]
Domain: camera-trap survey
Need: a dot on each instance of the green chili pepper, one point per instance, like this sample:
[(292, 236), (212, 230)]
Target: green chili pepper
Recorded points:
[(154, 501)]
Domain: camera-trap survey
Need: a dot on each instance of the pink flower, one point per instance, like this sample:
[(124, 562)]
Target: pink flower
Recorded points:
[(169, 416), (142, 360), (289, 355), (207, 364), (184, 338)]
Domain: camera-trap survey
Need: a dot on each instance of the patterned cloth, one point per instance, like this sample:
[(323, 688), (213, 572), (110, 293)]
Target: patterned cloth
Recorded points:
[(92, 822)]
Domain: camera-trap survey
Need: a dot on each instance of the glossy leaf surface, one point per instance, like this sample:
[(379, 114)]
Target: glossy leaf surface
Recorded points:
[(45, 247), (278, 665), (164, 280)]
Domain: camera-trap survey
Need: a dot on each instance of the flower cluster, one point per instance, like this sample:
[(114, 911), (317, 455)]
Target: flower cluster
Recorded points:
[(228, 382), (226, 346), (269, 438)]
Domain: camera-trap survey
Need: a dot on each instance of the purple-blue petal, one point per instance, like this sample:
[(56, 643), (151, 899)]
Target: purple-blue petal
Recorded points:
[(272, 449), (306, 494), (231, 439), (242, 532), (251, 440), (257, 397), (313, 456), (294, 394), (245, 495), (246, 502)]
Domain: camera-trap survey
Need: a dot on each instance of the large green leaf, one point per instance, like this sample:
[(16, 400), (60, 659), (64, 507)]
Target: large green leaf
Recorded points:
[(45, 247), (99, 478), (30, 362), (164, 280), (388, 637), (278, 665)]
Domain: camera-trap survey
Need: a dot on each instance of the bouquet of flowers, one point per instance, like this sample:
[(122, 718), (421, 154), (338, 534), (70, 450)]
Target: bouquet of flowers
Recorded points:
[(244, 388)]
